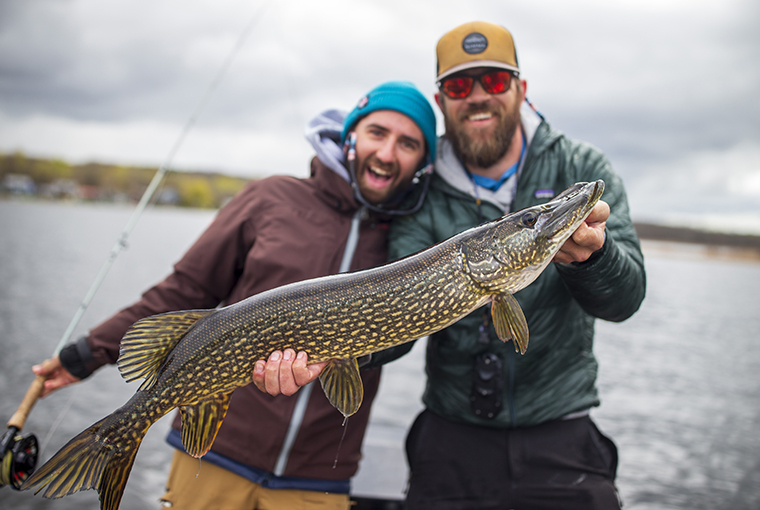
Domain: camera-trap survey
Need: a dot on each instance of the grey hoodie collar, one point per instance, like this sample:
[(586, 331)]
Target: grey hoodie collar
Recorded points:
[(451, 170), (323, 133)]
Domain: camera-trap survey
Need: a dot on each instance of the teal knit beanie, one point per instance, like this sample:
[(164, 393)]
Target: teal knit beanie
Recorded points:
[(400, 96)]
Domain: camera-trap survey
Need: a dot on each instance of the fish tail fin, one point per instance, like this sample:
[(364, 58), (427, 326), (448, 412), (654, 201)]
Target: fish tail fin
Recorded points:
[(90, 461)]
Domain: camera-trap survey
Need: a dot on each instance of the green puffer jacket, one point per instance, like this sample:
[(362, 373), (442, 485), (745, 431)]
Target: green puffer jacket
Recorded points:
[(557, 374)]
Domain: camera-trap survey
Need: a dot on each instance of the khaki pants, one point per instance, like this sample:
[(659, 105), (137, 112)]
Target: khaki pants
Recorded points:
[(195, 485)]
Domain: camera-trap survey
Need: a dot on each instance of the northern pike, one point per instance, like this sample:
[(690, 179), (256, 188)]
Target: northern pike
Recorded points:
[(194, 360)]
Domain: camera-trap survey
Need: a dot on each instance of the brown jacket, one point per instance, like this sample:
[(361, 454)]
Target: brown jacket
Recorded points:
[(276, 231)]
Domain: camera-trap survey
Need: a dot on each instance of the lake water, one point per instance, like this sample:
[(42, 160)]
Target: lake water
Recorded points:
[(679, 382)]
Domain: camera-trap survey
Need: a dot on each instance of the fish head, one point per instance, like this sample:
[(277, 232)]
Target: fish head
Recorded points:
[(513, 250)]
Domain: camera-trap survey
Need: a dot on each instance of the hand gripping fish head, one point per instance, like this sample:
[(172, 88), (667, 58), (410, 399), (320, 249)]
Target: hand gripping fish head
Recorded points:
[(509, 253)]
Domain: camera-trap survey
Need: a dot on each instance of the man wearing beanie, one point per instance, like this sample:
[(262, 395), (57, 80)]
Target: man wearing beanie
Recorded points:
[(501, 430), (276, 452)]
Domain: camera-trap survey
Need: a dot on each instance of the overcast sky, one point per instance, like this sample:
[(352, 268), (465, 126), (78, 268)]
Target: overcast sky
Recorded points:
[(668, 89)]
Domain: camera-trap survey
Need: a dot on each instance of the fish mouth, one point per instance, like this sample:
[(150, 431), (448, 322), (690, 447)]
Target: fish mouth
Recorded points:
[(568, 209)]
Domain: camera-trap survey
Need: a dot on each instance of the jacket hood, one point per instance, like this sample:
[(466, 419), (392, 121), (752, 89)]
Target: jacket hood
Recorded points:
[(323, 133), (450, 169)]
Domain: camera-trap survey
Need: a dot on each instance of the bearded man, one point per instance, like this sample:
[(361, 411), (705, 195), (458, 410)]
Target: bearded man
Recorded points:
[(500, 430)]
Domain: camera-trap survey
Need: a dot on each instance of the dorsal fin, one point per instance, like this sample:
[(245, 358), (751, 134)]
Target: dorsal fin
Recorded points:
[(148, 341)]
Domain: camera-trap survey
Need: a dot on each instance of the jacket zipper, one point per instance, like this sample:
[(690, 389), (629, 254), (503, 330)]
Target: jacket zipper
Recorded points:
[(303, 395)]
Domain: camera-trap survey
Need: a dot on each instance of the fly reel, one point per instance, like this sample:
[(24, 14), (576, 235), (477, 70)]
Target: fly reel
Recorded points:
[(19, 457), (18, 452)]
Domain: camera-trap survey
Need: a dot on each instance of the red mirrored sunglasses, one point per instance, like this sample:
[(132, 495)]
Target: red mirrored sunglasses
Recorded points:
[(493, 82)]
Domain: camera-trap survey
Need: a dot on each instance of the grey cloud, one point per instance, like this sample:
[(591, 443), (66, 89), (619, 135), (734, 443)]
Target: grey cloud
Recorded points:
[(648, 83)]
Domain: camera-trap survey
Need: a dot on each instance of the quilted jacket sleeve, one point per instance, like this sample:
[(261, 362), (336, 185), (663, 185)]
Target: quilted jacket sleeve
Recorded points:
[(612, 284)]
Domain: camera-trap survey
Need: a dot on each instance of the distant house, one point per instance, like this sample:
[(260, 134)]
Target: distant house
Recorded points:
[(61, 188), (17, 184), (169, 196), (88, 192)]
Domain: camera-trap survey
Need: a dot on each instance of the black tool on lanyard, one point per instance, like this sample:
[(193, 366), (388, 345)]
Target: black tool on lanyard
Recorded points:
[(487, 377)]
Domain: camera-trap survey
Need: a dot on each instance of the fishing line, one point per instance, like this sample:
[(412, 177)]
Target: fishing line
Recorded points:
[(340, 445), (157, 178), (149, 193), (58, 421)]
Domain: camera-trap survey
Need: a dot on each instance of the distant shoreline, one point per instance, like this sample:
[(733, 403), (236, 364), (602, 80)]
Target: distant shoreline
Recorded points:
[(696, 242), (741, 246), (692, 235)]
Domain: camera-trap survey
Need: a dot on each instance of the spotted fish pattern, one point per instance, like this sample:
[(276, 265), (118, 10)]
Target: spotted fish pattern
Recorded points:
[(193, 360)]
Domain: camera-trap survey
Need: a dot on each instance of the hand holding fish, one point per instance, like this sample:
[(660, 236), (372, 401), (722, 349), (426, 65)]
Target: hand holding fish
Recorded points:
[(588, 238), (285, 372), (56, 376)]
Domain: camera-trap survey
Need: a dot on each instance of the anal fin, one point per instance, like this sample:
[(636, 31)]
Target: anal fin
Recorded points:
[(343, 385), (509, 321), (201, 422)]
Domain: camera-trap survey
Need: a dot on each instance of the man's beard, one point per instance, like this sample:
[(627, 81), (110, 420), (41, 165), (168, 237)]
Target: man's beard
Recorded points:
[(479, 152)]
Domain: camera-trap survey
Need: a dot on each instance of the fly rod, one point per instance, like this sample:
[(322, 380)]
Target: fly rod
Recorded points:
[(19, 452)]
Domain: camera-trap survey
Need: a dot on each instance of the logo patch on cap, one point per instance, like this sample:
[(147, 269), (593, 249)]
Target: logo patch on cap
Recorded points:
[(474, 43), (363, 102)]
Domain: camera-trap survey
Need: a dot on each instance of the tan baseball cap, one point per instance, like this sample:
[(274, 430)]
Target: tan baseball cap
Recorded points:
[(475, 44)]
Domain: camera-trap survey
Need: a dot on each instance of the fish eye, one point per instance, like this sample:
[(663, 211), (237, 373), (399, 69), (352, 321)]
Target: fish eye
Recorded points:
[(529, 219)]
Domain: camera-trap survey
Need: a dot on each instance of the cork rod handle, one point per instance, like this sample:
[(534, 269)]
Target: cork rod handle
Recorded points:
[(32, 394)]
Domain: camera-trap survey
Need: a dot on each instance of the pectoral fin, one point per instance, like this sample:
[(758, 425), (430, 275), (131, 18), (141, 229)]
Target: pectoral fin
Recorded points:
[(201, 422), (342, 385), (509, 321)]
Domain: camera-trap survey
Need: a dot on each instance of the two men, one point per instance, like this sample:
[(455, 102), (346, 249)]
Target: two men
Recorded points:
[(500, 430), (278, 452)]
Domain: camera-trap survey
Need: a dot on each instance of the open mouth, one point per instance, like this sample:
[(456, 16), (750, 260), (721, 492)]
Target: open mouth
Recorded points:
[(378, 177), (480, 116)]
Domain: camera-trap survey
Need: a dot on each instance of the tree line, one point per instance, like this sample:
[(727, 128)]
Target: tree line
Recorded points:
[(57, 179)]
